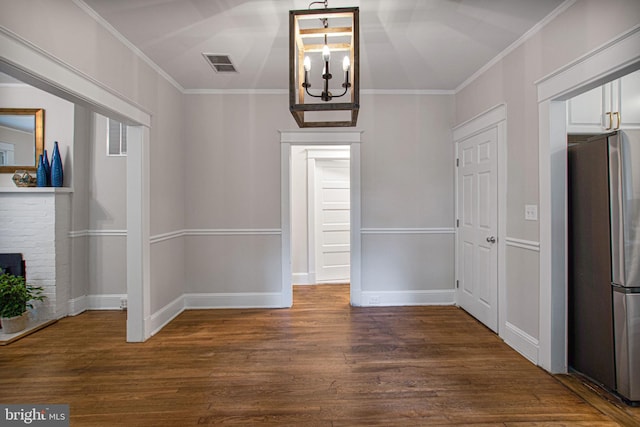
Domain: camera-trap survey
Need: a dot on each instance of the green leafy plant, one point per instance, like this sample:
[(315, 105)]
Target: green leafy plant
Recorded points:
[(16, 295)]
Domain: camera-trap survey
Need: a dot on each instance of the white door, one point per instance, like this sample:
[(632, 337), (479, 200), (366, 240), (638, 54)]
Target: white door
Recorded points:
[(332, 221), (478, 225)]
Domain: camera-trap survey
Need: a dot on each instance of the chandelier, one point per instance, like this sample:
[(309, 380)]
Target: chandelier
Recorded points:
[(324, 38)]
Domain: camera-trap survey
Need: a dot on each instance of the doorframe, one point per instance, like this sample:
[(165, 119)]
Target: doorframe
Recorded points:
[(325, 137), (21, 59), (312, 156), (495, 117), (611, 60)]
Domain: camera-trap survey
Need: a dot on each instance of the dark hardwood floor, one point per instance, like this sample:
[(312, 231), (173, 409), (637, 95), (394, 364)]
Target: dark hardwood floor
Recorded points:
[(321, 363)]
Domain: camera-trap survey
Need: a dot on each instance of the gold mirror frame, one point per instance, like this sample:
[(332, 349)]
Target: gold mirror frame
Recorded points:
[(38, 113)]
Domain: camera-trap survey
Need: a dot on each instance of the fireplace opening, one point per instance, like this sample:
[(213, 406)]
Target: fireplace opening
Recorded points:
[(13, 264)]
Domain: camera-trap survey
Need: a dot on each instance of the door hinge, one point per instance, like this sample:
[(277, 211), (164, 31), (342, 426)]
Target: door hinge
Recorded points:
[(457, 162), (457, 223), (457, 284)]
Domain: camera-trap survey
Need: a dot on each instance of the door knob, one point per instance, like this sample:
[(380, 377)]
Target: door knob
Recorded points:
[(491, 239)]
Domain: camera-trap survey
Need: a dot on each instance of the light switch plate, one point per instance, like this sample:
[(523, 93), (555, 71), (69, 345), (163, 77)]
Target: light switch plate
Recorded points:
[(531, 212)]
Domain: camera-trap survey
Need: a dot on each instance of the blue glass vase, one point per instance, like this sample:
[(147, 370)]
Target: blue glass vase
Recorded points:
[(41, 173), (56, 167), (47, 169)]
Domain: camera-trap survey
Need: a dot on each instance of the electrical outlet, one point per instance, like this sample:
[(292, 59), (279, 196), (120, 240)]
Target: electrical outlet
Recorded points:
[(374, 300), (123, 303), (531, 212)]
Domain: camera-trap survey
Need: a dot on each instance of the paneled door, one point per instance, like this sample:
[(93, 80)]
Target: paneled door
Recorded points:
[(478, 225), (332, 221)]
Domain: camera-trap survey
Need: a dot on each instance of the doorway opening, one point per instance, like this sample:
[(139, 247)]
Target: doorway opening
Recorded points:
[(317, 140), (320, 214), (64, 82), (616, 59)]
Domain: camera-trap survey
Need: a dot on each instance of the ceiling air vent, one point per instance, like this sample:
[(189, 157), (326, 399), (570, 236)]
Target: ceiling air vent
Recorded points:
[(220, 63)]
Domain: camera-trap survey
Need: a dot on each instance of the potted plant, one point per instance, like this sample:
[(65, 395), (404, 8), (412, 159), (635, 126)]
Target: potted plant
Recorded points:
[(15, 297)]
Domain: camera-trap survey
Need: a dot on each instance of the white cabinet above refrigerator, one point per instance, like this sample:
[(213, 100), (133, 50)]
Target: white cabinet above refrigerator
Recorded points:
[(612, 106)]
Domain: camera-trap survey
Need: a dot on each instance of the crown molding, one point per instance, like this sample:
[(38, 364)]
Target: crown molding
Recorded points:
[(406, 92), (100, 20), (513, 46), (526, 36), (235, 92), (286, 92)]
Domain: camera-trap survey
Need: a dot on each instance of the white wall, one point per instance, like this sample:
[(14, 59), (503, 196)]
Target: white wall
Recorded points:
[(232, 169), (407, 186), (584, 26), (107, 216), (108, 178), (167, 200), (80, 259)]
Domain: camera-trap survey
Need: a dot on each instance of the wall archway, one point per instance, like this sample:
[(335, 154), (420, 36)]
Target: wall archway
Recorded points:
[(31, 65)]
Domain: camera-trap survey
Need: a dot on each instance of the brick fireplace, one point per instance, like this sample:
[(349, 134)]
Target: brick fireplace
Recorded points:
[(36, 222)]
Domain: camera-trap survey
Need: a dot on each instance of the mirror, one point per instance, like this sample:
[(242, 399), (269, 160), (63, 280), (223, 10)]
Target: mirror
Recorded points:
[(21, 138)]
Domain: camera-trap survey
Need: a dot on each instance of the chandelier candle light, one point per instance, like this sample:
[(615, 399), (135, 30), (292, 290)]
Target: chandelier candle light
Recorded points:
[(305, 48)]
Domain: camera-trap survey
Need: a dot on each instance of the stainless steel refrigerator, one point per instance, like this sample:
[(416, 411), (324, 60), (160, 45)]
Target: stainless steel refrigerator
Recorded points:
[(604, 260)]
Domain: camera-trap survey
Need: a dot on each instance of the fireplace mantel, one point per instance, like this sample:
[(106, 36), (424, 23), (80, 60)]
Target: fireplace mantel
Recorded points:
[(36, 190)]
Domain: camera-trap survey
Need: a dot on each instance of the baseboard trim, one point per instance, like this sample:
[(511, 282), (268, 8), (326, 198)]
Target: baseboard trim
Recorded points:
[(303, 278), (521, 342), (233, 300), (78, 305), (408, 298), (195, 301), (166, 314), (105, 301)]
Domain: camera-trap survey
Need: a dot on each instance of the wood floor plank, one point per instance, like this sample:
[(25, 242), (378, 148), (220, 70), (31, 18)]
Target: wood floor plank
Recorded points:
[(320, 363)]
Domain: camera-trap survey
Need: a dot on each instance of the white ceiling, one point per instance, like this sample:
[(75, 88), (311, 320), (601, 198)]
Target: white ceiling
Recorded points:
[(405, 44)]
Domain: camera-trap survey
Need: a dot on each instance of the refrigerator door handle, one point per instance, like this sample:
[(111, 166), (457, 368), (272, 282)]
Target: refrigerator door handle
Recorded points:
[(608, 114), (616, 194)]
